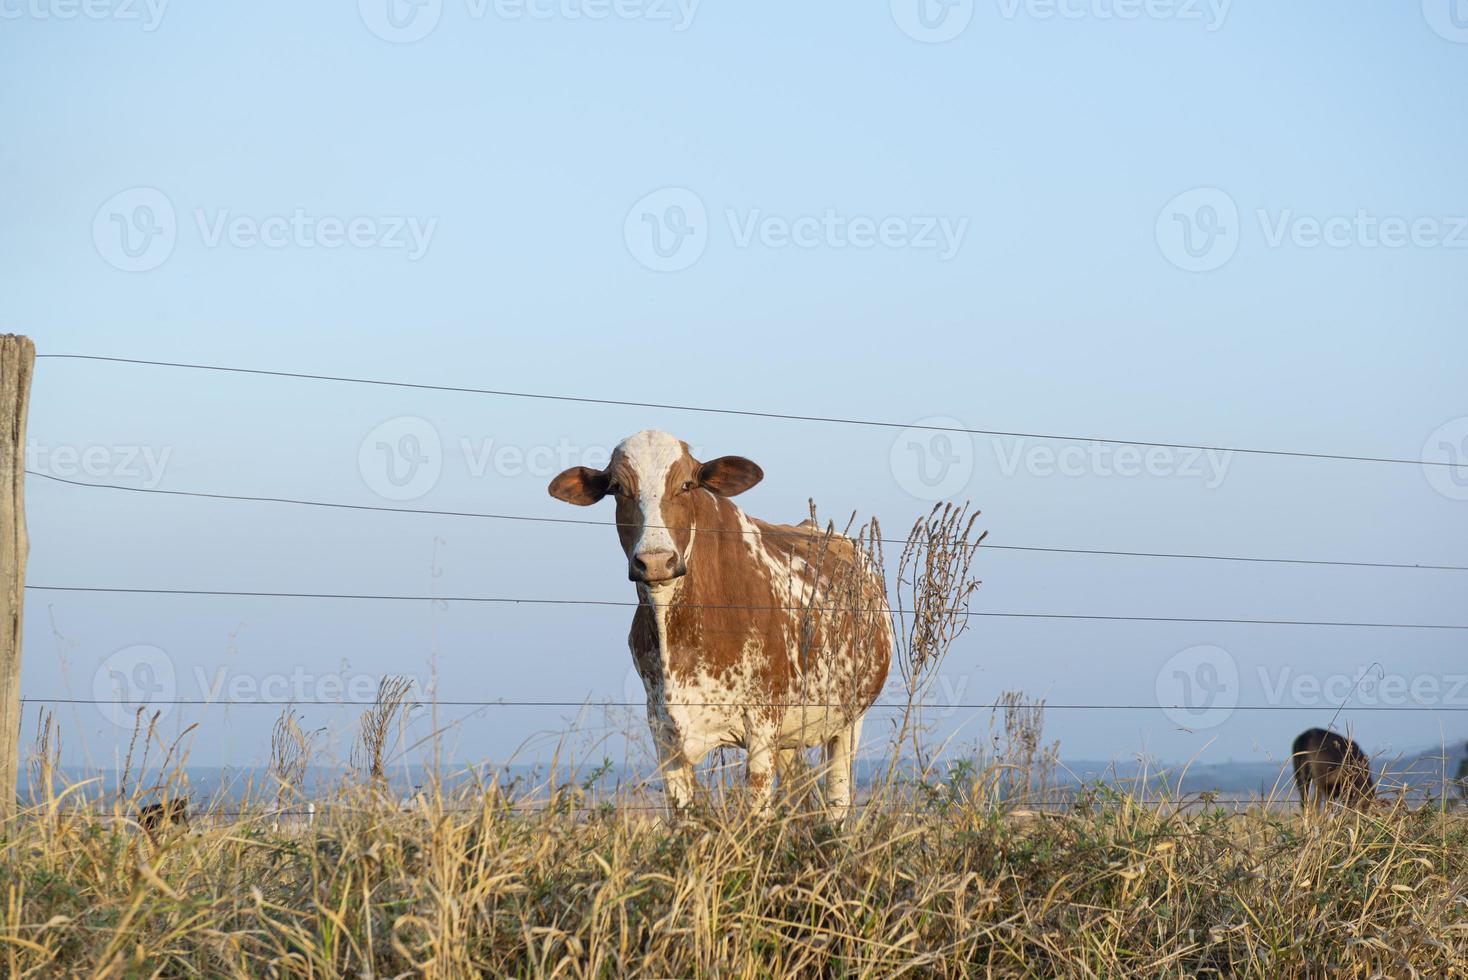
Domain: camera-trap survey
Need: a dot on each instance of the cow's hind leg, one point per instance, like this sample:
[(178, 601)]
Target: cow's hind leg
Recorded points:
[(788, 772), (840, 763)]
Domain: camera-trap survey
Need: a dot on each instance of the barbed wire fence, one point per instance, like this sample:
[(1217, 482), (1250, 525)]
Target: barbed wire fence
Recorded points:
[(34, 698)]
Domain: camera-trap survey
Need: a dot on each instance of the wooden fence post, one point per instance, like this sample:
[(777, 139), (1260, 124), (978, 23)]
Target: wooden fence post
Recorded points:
[(17, 360)]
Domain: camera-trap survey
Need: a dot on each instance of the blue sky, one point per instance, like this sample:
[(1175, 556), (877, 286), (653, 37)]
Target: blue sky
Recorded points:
[(1009, 228)]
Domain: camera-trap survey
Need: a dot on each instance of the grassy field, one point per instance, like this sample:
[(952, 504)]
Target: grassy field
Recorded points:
[(471, 885), (936, 877)]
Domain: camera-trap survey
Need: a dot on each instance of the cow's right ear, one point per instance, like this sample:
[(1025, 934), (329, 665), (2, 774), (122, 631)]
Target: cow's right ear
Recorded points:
[(580, 485)]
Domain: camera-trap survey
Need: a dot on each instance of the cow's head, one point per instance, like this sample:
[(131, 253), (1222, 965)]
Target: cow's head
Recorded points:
[(659, 489)]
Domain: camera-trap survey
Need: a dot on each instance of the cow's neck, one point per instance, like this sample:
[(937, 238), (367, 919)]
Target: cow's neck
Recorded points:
[(712, 599), (660, 598)]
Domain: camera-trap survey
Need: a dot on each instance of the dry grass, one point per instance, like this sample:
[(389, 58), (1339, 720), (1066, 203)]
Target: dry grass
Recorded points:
[(471, 885)]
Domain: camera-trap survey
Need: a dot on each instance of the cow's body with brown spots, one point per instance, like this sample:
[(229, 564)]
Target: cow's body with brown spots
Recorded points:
[(772, 638)]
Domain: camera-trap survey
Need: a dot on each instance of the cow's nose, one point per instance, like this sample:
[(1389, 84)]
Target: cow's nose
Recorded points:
[(655, 566)]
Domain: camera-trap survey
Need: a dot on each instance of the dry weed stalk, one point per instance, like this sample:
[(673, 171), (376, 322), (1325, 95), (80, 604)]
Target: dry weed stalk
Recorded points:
[(1025, 767), (45, 757), (290, 755), (935, 584), (132, 744), (391, 705)]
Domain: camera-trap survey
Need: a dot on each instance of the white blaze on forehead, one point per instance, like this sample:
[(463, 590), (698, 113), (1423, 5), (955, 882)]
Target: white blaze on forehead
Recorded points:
[(650, 454)]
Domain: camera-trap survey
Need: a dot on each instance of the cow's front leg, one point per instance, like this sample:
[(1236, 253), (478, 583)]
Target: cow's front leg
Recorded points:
[(761, 742), (678, 778)]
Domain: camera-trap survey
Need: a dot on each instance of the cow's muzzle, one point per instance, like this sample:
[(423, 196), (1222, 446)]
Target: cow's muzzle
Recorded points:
[(652, 567)]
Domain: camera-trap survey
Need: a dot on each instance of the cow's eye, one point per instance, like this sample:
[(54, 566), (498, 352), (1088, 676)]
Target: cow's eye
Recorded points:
[(614, 488), (689, 485)]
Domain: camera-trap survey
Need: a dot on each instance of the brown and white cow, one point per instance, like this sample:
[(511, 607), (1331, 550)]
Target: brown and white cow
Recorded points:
[(768, 637)]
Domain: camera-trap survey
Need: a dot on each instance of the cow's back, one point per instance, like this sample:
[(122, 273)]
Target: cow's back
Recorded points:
[(839, 623)]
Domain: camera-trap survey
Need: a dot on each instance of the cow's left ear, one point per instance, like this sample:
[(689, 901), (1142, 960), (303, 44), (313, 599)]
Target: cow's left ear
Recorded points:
[(729, 476)]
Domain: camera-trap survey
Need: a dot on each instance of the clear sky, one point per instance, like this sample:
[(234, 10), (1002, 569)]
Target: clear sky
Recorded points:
[(1230, 224)]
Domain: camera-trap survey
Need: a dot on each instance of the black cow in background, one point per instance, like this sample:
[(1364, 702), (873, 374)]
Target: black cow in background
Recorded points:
[(157, 818), (1329, 766)]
